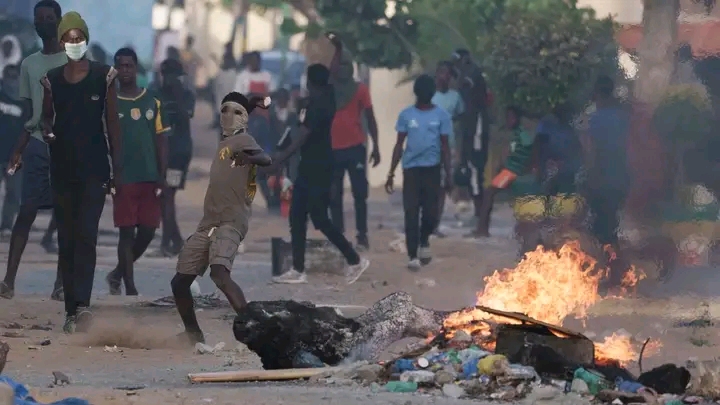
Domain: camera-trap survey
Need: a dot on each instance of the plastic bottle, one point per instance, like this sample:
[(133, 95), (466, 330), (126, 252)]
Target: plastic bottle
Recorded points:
[(402, 365), (418, 376), (595, 382), (401, 386), (521, 372), (453, 357), (472, 352)]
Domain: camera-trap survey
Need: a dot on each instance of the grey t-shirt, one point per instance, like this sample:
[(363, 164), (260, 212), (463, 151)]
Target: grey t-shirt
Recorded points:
[(32, 69), (231, 190)]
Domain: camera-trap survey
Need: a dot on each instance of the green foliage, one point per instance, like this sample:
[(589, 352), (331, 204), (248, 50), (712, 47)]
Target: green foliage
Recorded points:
[(548, 52), (684, 116), (367, 32)]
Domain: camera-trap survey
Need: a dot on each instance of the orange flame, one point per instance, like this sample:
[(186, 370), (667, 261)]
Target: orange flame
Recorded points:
[(548, 286)]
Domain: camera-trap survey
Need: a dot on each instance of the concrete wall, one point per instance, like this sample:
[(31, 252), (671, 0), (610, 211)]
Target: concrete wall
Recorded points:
[(624, 11), (388, 100)]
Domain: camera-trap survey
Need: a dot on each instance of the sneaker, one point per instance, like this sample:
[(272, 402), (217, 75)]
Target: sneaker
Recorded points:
[(114, 285), (291, 276), (69, 325), (6, 292), (439, 234), (58, 294), (414, 264), (83, 319), (424, 255), (49, 246), (356, 270), (363, 243)]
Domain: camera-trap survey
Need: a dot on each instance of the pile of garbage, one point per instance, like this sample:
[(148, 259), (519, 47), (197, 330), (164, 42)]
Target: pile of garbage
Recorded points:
[(472, 372)]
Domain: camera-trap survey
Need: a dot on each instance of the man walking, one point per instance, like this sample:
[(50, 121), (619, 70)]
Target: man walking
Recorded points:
[(79, 103), (253, 79), (178, 104), (352, 100), (11, 122), (137, 206), (311, 191), (426, 128), (475, 126), (31, 150)]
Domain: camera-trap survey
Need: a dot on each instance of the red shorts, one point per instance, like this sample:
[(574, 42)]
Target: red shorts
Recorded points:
[(137, 204)]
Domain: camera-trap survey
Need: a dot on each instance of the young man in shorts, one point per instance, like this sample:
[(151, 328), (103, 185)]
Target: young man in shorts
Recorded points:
[(137, 204), (226, 213)]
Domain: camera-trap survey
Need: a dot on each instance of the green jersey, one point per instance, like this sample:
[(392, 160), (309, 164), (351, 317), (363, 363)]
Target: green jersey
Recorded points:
[(521, 150), (140, 122)]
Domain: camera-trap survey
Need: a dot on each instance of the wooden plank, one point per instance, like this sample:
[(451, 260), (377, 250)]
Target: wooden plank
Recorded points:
[(260, 375), (526, 319)]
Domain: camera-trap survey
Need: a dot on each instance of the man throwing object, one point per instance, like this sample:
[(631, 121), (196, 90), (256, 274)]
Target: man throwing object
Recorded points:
[(226, 212)]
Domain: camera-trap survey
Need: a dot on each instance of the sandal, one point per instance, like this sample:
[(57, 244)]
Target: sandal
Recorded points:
[(58, 294)]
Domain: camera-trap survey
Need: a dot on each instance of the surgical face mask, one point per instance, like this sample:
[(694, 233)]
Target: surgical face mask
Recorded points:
[(76, 51), (233, 118)]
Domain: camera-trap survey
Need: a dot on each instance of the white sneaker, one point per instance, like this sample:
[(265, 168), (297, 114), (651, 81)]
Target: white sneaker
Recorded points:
[(355, 271), (414, 264), (291, 276), (425, 255)]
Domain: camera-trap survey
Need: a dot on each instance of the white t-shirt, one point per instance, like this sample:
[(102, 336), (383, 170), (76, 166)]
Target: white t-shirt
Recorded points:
[(261, 82)]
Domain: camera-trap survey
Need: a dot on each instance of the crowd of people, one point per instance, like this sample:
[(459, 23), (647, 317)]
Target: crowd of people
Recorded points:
[(80, 129)]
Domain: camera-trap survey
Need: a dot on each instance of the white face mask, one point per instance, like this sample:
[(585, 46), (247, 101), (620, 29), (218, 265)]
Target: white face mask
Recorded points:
[(76, 51)]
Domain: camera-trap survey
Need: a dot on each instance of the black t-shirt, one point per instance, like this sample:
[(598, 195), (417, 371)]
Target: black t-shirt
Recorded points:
[(80, 150), (11, 125), (316, 114), (178, 113)]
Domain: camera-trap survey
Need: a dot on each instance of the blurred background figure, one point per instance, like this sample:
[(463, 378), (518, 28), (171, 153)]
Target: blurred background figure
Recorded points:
[(98, 53), (10, 52), (191, 62), (253, 78), (11, 125), (179, 105), (224, 81)]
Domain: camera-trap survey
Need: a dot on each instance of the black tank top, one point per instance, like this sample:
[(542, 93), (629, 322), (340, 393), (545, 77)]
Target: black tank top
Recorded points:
[(80, 150)]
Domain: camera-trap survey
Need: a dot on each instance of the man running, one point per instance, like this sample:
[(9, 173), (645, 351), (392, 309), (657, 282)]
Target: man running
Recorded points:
[(11, 121), (311, 191), (226, 213), (31, 150), (178, 104), (353, 103), (77, 97), (137, 207)]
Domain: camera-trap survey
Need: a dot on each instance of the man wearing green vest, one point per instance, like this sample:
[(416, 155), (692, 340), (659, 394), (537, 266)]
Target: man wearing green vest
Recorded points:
[(137, 206)]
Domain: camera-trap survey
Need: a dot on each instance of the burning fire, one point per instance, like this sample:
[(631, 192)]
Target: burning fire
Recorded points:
[(548, 286)]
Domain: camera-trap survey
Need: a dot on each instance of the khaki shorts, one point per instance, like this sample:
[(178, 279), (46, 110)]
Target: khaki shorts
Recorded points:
[(217, 246)]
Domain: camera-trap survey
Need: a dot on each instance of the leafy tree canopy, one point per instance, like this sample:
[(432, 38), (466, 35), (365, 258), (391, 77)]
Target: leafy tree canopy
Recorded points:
[(549, 53)]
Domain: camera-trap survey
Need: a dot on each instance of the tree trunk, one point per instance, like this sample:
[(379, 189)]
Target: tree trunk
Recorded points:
[(656, 67), (657, 50)]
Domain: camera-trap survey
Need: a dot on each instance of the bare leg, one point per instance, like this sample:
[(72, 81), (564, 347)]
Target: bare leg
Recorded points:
[(18, 241), (185, 305), (234, 294)]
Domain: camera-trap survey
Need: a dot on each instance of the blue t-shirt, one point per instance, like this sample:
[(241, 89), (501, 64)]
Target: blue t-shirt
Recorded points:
[(424, 129), (608, 129), (451, 102)]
